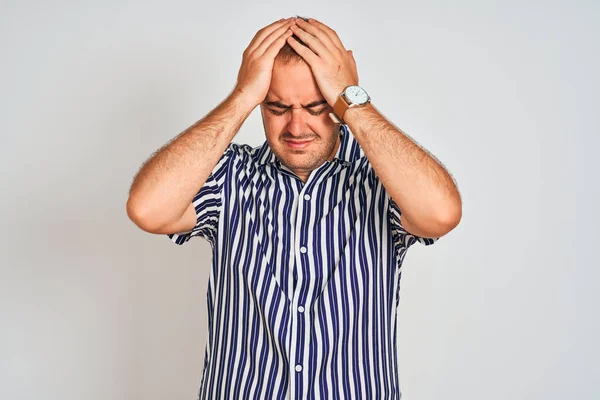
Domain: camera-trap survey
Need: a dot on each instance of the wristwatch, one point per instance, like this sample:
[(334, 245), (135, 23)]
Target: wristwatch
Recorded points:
[(352, 96)]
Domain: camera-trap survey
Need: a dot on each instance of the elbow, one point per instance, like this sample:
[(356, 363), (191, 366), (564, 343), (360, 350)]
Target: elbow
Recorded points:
[(139, 217), (451, 218)]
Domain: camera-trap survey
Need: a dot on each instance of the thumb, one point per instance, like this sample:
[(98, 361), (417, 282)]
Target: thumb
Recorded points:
[(351, 54)]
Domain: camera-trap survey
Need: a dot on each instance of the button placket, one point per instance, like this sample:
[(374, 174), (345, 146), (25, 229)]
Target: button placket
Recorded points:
[(300, 347), (297, 333)]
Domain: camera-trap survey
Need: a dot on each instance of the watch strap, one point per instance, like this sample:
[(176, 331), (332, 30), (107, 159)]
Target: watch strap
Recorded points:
[(340, 107)]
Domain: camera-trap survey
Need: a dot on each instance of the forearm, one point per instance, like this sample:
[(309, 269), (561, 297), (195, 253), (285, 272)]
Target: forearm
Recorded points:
[(422, 188), (168, 181)]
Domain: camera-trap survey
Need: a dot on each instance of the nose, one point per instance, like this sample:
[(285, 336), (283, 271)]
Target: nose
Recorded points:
[(297, 123)]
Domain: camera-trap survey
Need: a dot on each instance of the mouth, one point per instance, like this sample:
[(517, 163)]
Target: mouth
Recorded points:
[(296, 144)]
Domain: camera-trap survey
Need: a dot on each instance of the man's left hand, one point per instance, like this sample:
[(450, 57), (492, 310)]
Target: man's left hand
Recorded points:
[(332, 65)]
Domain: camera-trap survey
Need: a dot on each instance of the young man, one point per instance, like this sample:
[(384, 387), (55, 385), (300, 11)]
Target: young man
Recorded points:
[(307, 231)]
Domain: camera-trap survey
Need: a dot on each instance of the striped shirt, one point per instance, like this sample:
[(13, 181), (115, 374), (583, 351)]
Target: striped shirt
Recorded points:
[(305, 277)]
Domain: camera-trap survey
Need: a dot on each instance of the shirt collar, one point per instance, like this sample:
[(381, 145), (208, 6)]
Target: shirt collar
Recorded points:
[(348, 152)]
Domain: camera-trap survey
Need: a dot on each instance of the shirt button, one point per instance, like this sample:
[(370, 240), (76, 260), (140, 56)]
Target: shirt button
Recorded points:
[(298, 367), (302, 249), (301, 309), (307, 197)]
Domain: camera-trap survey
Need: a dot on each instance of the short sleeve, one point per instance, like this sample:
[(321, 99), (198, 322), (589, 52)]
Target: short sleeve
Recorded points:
[(402, 238), (208, 202)]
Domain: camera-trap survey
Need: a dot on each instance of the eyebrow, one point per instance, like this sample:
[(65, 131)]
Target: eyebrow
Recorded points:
[(279, 104)]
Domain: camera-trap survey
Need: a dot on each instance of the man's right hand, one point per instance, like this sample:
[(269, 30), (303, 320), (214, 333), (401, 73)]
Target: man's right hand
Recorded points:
[(254, 77)]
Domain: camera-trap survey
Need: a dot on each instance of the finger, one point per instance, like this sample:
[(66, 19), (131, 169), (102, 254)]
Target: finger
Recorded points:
[(273, 36), (263, 33), (330, 32), (306, 53), (277, 44), (321, 36), (312, 42)]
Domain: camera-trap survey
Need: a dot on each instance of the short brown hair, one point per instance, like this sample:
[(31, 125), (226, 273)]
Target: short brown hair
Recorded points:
[(287, 54)]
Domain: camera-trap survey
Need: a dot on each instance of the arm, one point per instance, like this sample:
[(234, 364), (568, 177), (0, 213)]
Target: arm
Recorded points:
[(424, 191), (165, 186)]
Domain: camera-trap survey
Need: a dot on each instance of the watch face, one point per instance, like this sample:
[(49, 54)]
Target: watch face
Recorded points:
[(356, 94)]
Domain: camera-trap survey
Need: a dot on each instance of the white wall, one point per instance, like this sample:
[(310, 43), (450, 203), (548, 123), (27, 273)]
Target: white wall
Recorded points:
[(504, 93)]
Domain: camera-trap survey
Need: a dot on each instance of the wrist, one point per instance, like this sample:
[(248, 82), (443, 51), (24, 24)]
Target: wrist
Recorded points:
[(243, 100), (352, 97), (354, 113)]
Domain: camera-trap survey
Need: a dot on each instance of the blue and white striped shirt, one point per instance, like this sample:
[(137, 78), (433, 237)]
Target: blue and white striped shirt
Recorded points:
[(305, 278)]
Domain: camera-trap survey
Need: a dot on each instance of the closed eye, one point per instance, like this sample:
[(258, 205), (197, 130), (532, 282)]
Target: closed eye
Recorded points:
[(310, 112)]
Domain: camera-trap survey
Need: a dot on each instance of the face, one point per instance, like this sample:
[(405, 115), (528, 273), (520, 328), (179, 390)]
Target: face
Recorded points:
[(296, 119)]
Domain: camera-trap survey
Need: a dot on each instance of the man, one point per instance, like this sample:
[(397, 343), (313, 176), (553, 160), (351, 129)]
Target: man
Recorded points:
[(307, 231)]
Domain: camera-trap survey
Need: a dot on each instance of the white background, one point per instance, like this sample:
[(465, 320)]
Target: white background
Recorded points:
[(504, 93)]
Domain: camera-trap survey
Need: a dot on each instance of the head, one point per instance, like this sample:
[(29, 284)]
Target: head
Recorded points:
[(294, 111)]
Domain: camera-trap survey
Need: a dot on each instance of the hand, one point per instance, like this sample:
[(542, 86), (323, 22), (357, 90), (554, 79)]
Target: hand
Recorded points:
[(332, 65), (254, 77)]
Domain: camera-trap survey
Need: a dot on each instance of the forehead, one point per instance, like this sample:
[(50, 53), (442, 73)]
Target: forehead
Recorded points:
[(293, 84)]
